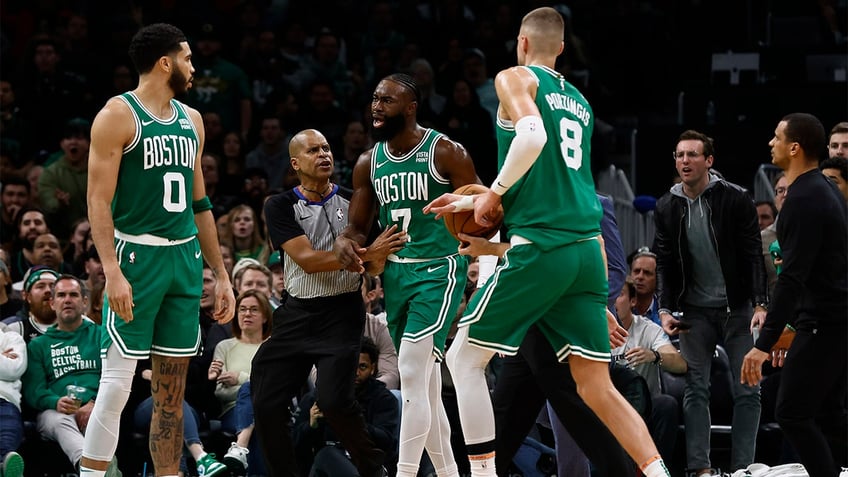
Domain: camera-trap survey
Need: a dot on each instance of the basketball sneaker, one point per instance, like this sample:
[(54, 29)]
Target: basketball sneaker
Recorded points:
[(207, 466), (236, 458), (13, 465)]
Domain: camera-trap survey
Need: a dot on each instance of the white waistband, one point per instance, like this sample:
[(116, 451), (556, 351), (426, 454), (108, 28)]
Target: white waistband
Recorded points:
[(394, 258), (147, 239), (518, 240)]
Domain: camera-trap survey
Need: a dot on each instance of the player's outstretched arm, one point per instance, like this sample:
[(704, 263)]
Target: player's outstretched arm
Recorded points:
[(112, 129)]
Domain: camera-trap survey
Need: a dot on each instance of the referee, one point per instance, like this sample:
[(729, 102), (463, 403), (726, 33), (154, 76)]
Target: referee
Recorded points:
[(321, 323)]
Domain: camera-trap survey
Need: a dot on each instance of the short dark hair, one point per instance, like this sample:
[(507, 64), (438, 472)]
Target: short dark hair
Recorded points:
[(640, 252), (768, 203), (73, 278), (689, 134), (407, 82), (838, 163), (368, 347), (808, 131), (153, 42), (14, 179), (839, 128)]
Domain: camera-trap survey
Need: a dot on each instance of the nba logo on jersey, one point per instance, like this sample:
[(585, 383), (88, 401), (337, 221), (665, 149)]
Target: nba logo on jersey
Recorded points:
[(132, 257), (339, 214)]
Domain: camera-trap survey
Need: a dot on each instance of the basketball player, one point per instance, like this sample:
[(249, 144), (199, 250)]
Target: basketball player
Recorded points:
[(553, 217), (408, 167), (150, 221)]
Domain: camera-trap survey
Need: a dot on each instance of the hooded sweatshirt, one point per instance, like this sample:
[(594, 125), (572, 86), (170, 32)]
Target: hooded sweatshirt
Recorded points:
[(59, 358)]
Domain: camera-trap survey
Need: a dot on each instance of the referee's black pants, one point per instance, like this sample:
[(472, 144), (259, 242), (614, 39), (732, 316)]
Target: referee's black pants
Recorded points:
[(523, 384), (325, 332)]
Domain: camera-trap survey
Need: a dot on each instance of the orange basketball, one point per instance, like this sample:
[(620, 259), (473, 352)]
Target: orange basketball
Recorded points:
[(463, 222)]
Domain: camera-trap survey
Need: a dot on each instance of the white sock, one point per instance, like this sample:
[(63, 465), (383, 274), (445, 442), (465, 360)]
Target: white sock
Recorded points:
[(656, 468), (484, 466), (86, 472), (406, 470), (202, 455)]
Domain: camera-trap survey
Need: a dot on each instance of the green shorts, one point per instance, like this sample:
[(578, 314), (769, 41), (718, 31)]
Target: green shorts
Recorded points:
[(422, 298), (166, 284), (563, 291)]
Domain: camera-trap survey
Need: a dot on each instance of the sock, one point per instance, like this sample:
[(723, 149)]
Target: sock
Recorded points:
[(86, 472), (406, 470), (450, 471), (202, 455), (655, 467), (483, 465)]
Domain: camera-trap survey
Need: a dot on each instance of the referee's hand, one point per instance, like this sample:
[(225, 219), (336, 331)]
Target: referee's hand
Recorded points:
[(347, 252)]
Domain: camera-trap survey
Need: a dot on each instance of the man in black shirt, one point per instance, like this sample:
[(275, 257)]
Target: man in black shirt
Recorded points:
[(812, 294)]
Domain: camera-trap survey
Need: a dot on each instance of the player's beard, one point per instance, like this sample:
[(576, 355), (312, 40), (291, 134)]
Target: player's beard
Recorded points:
[(392, 126), (178, 82)]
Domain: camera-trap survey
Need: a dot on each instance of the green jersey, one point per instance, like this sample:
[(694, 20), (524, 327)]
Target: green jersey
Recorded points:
[(554, 203), (156, 177), (404, 185)]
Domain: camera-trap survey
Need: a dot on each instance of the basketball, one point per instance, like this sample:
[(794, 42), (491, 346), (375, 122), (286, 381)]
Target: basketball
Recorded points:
[(463, 222)]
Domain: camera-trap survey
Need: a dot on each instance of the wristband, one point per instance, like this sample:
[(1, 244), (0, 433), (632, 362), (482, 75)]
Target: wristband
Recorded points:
[(658, 358), (201, 205)]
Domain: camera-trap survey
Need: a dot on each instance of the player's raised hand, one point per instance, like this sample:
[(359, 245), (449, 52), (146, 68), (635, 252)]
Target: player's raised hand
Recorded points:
[(225, 302), (119, 294)]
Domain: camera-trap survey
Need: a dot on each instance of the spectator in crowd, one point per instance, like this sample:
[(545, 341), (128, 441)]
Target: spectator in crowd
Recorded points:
[(44, 85), (325, 63), (9, 305), (231, 167), (63, 184), (33, 176), (30, 224), (475, 72), (710, 267), (246, 235), (221, 202), (432, 103), (230, 370), (214, 132), (354, 142), (278, 280), (13, 363), (227, 256), (320, 454), (643, 271), (377, 330), (766, 213), (812, 294), (322, 109), (649, 352), (14, 197), (219, 85), (37, 315), (47, 251), (63, 374), (768, 236), (76, 246), (270, 154), (93, 268), (836, 169), (837, 144), (466, 121)]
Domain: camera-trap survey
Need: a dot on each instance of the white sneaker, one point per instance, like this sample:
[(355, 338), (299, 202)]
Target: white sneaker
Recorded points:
[(236, 458), (844, 472)]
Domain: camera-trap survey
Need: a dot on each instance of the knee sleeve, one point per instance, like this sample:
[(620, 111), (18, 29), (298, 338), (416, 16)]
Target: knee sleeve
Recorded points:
[(116, 377), (467, 364)]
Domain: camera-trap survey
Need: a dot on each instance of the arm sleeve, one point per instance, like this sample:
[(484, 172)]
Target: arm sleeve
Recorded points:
[(530, 138)]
